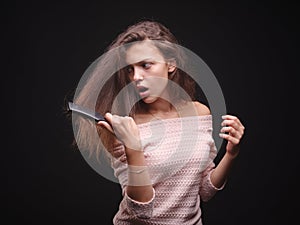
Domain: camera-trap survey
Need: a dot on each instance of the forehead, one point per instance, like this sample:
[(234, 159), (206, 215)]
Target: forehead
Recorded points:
[(140, 51)]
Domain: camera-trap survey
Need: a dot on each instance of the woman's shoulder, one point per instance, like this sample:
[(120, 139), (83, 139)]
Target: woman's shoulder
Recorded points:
[(201, 108), (193, 108)]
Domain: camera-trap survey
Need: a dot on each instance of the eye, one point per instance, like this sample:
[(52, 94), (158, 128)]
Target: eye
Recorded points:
[(146, 65), (129, 69)]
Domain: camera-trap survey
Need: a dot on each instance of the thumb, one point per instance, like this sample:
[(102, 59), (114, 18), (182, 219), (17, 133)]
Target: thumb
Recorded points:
[(108, 117)]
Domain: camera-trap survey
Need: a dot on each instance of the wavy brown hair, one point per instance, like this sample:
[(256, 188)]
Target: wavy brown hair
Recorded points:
[(103, 100)]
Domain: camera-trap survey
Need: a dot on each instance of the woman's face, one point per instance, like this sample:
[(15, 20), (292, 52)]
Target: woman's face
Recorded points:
[(148, 70)]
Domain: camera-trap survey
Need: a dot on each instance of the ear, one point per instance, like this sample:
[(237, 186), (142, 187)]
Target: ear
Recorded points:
[(171, 66)]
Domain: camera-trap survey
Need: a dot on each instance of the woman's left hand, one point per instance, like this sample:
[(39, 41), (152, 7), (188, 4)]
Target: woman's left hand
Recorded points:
[(232, 131)]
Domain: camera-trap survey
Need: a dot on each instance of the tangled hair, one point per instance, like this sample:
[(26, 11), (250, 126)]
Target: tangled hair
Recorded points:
[(102, 100)]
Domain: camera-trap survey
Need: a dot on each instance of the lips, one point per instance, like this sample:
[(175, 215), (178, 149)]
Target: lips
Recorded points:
[(143, 91)]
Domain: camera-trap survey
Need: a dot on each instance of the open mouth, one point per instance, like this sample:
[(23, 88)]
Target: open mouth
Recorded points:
[(143, 91)]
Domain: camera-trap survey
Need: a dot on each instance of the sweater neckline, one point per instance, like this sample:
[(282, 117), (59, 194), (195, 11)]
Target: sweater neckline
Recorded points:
[(178, 119)]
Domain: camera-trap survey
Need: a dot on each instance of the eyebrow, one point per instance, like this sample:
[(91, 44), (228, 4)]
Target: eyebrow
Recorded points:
[(144, 60)]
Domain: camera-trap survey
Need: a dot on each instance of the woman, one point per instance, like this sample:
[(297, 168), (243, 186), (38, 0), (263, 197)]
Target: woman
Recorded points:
[(158, 135)]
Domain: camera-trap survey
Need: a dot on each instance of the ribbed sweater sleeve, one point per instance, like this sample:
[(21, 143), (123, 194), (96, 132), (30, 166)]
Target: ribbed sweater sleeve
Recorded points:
[(142, 210), (207, 189)]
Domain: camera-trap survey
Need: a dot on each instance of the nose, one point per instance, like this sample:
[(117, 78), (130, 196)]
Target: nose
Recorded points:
[(137, 74)]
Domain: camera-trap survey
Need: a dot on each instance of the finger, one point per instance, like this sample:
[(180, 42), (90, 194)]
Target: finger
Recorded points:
[(233, 118), (237, 133), (229, 117), (233, 132), (233, 140), (230, 130), (231, 123), (108, 116), (105, 125)]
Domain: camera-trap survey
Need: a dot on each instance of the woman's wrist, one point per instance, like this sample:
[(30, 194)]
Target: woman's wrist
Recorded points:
[(135, 157), (233, 154)]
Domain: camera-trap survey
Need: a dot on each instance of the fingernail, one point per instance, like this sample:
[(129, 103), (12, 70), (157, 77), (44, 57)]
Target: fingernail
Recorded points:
[(221, 135)]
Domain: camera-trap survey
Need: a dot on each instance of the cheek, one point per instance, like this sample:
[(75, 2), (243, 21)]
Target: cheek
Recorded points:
[(158, 86), (164, 73)]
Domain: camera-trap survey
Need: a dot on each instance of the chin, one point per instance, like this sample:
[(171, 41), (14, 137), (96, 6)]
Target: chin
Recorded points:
[(149, 100)]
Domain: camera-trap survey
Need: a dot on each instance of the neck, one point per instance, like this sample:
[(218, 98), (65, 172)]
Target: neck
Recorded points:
[(161, 105)]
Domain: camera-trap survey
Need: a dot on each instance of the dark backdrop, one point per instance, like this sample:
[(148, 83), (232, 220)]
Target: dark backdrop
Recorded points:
[(251, 48)]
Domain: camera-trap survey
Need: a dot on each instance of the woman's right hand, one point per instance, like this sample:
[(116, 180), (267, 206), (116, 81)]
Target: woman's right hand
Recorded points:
[(124, 128)]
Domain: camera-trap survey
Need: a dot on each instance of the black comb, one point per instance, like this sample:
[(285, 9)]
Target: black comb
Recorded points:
[(85, 112)]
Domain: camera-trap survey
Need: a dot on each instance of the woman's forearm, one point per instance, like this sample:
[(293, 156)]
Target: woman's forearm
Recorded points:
[(222, 170), (139, 183)]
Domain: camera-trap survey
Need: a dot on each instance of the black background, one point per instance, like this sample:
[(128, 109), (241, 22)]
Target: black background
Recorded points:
[(250, 46)]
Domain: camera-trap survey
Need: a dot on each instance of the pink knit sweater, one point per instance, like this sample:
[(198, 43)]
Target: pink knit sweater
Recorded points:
[(179, 153)]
